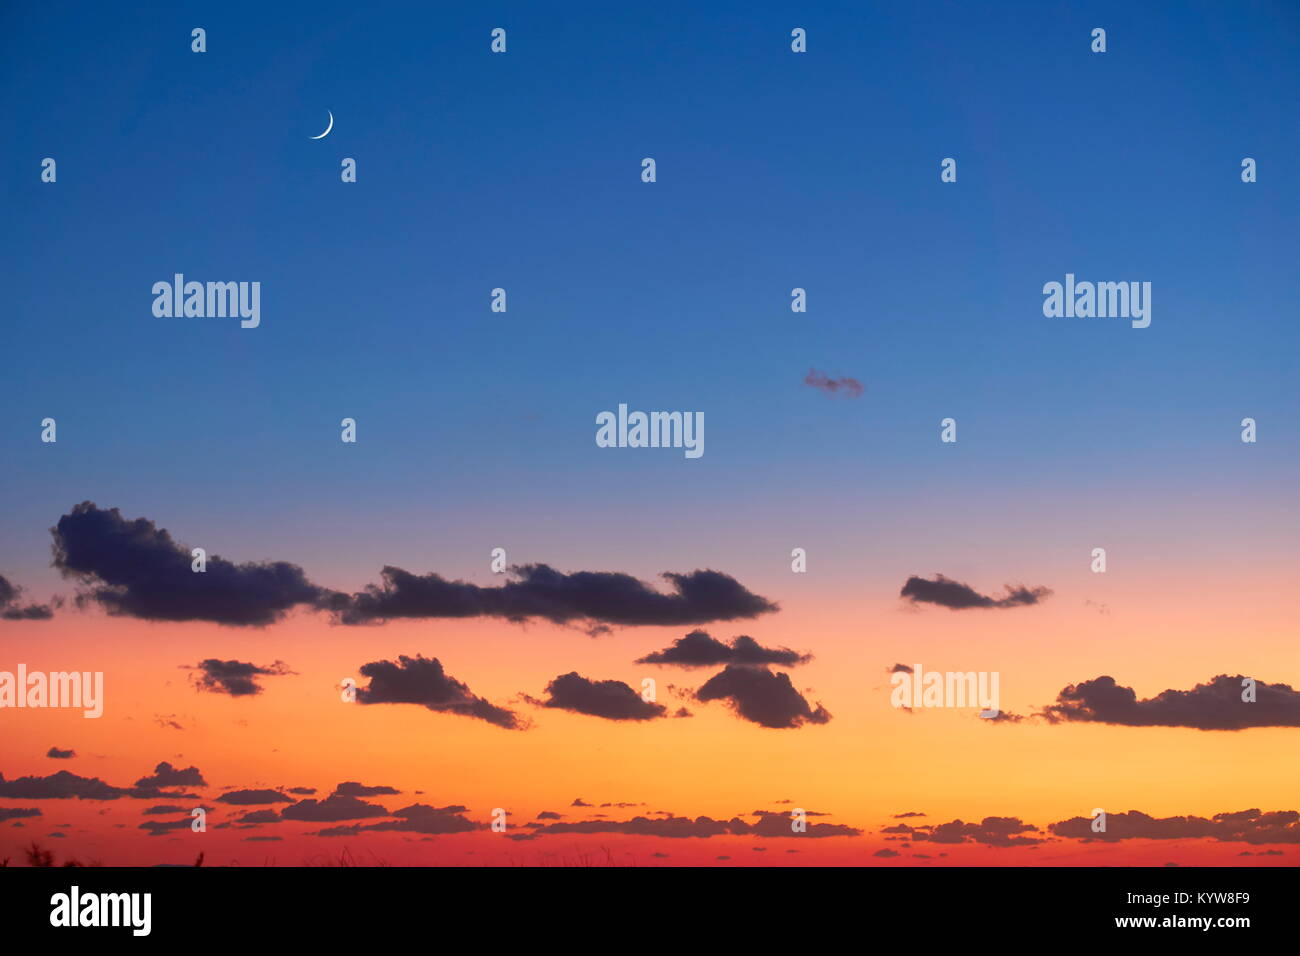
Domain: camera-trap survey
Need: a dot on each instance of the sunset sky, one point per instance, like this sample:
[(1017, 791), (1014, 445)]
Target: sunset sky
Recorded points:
[(475, 429)]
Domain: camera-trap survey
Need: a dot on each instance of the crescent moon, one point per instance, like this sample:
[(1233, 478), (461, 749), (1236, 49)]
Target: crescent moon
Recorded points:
[(327, 128)]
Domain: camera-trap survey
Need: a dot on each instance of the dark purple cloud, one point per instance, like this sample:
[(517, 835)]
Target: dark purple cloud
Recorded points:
[(421, 680), (12, 610), (956, 596), (243, 798), (234, 678), (539, 591), (135, 569), (336, 806), (698, 649), (758, 695), (1216, 705), (1241, 826), (611, 699), (833, 386)]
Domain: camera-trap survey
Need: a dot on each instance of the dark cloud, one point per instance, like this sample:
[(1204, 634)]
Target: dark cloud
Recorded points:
[(991, 831), (417, 818), (1242, 826), (422, 681), (909, 813), (886, 852), (540, 591), (16, 813), (12, 610), (302, 791), (611, 699), (958, 597), (335, 807), (770, 824), (698, 649), (258, 816), (159, 827), (351, 788), (550, 815), (901, 669), (162, 810), (65, 785), (165, 775), (832, 386), (54, 753), (1216, 705), (135, 569), (765, 698), (236, 678), (241, 798)]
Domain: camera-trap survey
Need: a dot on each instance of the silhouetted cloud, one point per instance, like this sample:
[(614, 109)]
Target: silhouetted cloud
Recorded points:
[(698, 649), (12, 610), (770, 824), (421, 680), (336, 806), (765, 698), (1216, 705), (539, 591), (65, 785), (17, 813), (832, 386), (159, 827), (1241, 826), (165, 775), (417, 818), (351, 788), (611, 699), (54, 753), (135, 569), (252, 797), (236, 678), (956, 596), (991, 831)]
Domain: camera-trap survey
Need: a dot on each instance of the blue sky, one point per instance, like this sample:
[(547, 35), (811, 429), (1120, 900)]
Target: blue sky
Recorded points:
[(775, 170)]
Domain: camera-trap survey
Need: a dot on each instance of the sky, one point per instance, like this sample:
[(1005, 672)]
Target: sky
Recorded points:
[(475, 430)]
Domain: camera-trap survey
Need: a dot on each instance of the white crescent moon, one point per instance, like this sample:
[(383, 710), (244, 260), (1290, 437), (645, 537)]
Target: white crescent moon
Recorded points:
[(327, 128)]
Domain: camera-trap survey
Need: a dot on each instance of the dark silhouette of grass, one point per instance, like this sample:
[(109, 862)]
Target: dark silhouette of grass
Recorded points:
[(40, 857), (581, 858)]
